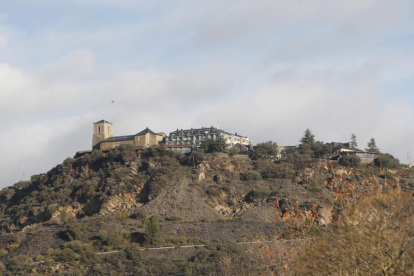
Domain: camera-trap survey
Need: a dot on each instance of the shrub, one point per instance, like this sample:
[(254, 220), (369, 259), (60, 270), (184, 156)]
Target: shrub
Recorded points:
[(111, 238), (19, 263), (250, 175), (74, 229), (174, 218), (211, 146), (299, 161), (387, 161), (265, 150), (281, 170), (141, 214), (233, 151), (85, 251), (260, 193), (213, 190), (152, 233), (133, 252), (350, 161), (66, 255), (3, 252)]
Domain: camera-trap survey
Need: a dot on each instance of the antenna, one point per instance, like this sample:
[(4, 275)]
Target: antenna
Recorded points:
[(409, 157), (217, 124), (23, 172)]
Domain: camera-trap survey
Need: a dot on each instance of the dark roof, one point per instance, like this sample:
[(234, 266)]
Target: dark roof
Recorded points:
[(145, 131), (198, 131), (103, 121), (119, 138)]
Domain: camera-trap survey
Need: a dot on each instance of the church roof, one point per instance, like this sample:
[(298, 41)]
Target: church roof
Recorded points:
[(119, 138), (145, 131), (102, 121)]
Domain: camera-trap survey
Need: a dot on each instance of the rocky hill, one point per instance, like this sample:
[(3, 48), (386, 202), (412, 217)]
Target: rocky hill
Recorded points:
[(103, 201)]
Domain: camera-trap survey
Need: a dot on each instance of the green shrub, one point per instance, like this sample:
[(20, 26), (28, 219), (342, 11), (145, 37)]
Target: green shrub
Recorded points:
[(85, 251), (18, 263), (387, 161), (174, 218), (282, 170), (141, 214), (3, 252), (111, 238), (250, 175), (152, 233), (74, 229), (260, 193), (213, 190), (299, 161), (350, 161), (66, 255), (177, 241), (133, 252)]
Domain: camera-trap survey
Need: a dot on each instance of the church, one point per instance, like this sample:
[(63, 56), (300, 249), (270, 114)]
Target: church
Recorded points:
[(104, 139)]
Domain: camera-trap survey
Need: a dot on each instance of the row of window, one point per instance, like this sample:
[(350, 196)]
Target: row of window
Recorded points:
[(360, 154)]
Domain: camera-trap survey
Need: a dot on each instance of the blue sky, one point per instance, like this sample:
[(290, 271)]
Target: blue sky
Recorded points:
[(267, 69)]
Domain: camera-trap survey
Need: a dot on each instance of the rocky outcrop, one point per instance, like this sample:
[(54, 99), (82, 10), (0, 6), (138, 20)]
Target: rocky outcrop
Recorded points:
[(122, 202)]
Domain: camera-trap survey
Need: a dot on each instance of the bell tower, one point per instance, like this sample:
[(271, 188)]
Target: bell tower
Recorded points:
[(101, 130)]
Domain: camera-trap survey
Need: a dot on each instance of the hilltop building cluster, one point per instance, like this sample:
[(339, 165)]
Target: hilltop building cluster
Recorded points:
[(186, 140), (180, 140)]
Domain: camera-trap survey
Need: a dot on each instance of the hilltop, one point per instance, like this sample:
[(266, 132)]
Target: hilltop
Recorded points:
[(103, 201)]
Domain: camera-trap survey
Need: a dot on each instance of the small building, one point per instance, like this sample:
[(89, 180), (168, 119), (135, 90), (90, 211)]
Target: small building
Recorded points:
[(283, 151), (194, 137), (349, 149), (103, 138)]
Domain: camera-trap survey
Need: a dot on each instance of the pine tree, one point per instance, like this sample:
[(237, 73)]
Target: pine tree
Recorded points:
[(308, 137), (372, 146), (354, 140)]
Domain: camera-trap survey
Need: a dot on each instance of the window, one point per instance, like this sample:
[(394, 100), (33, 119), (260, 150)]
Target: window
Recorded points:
[(99, 129)]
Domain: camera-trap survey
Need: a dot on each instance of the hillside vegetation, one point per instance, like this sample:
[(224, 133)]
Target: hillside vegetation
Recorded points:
[(129, 199)]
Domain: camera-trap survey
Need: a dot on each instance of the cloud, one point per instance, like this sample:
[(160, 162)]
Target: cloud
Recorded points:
[(267, 70)]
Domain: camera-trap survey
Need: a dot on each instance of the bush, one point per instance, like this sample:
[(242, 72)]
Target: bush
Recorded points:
[(260, 193), (74, 229), (174, 218), (111, 238), (133, 252), (3, 252), (211, 146), (20, 262), (299, 161), (85, 251), (281, 170), (152, 233), (141, 214), (265, 150), (350, 161), (66, 255), (387, 161), (250, 175), (213, 191)]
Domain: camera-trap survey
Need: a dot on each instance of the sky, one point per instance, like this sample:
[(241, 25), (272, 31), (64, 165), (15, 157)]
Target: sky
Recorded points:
[(266, 69)]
